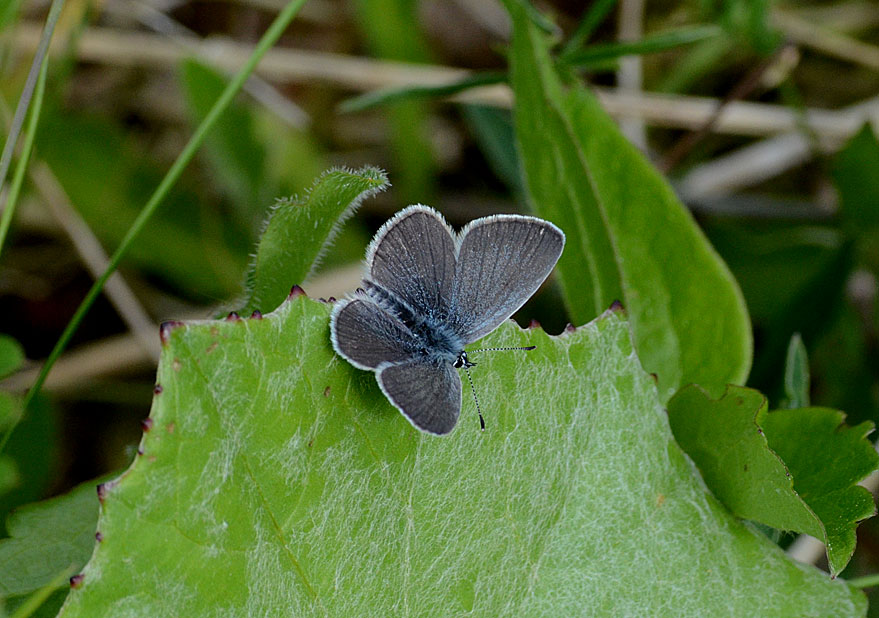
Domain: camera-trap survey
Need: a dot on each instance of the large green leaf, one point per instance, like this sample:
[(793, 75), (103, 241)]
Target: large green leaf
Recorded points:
[(275, 479), (629, 238), (790, 469), (300, 229)]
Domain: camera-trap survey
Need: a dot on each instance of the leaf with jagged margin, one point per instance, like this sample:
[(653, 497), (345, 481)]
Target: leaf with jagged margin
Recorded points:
[(276, 479), (628, 236), (47, 538), (789, 469), (299, 230)]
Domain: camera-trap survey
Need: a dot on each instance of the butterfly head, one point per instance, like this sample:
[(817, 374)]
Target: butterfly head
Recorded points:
[(463, 361)]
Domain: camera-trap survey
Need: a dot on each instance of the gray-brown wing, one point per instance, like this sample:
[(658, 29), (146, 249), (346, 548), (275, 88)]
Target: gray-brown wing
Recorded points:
[(413, 256), (501, 262), (428, 395), (367, 335)]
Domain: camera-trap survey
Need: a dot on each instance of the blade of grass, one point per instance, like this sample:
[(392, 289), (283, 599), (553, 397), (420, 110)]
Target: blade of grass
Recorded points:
[(648, 45), (267, 41), (391, 95), (586, 28), (28, 91), (537, 18), (21, 168)]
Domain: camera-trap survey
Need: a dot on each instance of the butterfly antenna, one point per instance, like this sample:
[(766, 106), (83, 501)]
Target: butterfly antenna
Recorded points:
[(526, 348), (475, 398)]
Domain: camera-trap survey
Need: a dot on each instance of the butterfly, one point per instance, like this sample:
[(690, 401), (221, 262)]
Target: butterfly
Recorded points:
[(428, 292)]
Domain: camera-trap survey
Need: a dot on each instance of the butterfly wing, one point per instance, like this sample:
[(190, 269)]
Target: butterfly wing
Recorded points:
[(413, 256), (502, 260), (428, 394), (367, 335)]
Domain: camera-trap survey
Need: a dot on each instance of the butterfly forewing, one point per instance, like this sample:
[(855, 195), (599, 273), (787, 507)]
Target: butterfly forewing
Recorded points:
[(502, 261), (368, 336), (428, 394), (413, 256)]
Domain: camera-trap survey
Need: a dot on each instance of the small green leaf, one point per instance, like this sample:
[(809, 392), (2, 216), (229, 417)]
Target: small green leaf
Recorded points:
[(46, 538), (659, 42), (276, 479), (796, 374), (11, 355), (628, 236), (827, 459), (789, 469), (299, 230)]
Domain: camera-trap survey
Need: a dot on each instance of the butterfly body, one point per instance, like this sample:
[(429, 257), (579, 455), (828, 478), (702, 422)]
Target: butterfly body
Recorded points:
[(429, 292)]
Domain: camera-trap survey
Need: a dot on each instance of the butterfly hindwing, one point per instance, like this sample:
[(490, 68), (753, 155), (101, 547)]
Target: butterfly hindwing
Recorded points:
[(428, 394), (369, 336)]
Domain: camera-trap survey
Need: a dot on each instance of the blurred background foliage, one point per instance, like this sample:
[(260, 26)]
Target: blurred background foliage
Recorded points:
[(760, 121)]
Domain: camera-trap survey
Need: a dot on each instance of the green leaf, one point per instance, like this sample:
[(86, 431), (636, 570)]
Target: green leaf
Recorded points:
[(276, 479), (46, 538), (46, 601), (29, 459), (858, 185), (793, 278), (854, 173), (237, 158), (11, 355), (629, 238), (789, 469), (9, 475), (796, 374), (300, 229), (827, 459), (659, 42), (492, 129)]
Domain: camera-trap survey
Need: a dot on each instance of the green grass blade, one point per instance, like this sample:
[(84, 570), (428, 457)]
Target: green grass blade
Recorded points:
[(596, 14), (28, 91), (652, 44), (21, 168)]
